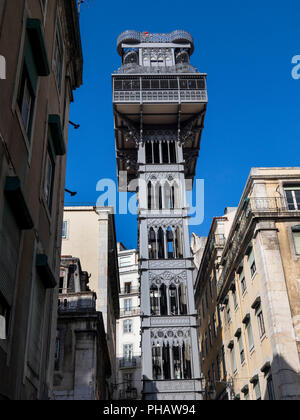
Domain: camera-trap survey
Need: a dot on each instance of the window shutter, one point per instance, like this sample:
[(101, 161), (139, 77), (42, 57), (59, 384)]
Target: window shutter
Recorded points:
[(9, 252)]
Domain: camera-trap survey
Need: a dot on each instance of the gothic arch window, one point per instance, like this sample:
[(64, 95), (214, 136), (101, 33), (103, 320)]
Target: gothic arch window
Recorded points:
[(178, 243), (182, 299), (163, 300), (157, 362), (154, 300), (170, 242), (173, 297), (187, 363), (161, 245), (150, 195), (131, 58), (152, 244)]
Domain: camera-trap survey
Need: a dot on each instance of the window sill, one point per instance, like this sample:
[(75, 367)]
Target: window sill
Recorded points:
[(263, 338), (252, 350)]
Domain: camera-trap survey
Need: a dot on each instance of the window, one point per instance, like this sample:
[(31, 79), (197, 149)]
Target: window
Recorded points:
[(65, 230), (233, 359), (128, 305), (293, 197), (128, 380), (4, 318), (49, 177), (261, 322), (296, 236), (243, 282), (128, 352), (234, 297), (26, 101), (127, 288), (58, 58), (256, 389), (247, 322), (270, 388), (241, 347), (127, 326), (246, 394), (228, 313), (252, 263)]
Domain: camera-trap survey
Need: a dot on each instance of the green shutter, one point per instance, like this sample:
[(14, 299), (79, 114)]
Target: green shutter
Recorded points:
[(37, 42)]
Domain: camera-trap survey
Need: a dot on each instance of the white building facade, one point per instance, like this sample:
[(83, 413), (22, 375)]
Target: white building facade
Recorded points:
[(129, 327)]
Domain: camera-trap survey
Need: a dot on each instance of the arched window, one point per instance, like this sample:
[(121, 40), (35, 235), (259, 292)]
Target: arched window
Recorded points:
[(173, 300), (166, 362), (152, 244), (154, 301), (169, 195), (187, 365), (182, 299), (163, 300), (146, 61), (157, 362), (177, 362), (170, 242), (150, 196), (161, 244), (178, 243)]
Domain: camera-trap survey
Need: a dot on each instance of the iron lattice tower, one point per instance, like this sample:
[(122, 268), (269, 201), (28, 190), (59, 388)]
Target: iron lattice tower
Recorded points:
[(159, 104)]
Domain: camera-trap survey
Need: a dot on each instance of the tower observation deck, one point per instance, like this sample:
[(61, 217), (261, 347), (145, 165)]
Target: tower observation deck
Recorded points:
[(159, 102)]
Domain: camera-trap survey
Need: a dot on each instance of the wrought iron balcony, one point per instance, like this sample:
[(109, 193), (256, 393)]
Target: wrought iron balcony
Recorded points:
[(129, 362), (129, 290), (179, 68), (135, 37), (130, 312), (153, 89)]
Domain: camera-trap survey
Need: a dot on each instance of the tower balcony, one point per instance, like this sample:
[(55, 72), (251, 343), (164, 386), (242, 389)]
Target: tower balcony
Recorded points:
[(161, 89)]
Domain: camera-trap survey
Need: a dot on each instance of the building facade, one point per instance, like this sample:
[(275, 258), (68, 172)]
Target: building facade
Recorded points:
[(129, 327), (211, 335), (82, 365), (40, 50), (89, 233), (258, 289), (159, 102)]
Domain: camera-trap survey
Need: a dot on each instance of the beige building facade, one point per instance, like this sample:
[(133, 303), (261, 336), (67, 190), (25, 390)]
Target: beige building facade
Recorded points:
[(89, 233), (258, 289), (41, 66)]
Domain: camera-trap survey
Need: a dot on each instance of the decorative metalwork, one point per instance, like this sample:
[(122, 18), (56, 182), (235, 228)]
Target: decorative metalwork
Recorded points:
[(135, 37), (179, 68), (129, 157)]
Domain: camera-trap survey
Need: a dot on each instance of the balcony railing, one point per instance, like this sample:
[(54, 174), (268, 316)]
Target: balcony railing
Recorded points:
[(129, 290), (129, 363), (77, 302), (130, 312), (254, 206), (160, 89)]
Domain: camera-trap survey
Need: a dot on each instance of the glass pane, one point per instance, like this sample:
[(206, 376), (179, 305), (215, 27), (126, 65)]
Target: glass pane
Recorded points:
[(297, 241), (290, 200), (297, 196)]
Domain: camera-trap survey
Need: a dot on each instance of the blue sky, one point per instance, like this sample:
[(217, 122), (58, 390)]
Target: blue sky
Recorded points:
[(254, 104)]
